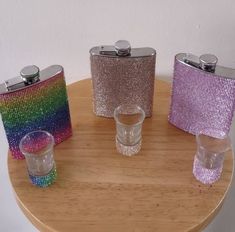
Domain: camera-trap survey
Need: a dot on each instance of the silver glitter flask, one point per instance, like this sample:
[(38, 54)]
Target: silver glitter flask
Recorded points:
[(203, 95), (122, 75)]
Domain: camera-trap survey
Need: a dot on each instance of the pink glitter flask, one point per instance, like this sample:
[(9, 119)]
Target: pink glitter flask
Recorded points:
[(35, 100), (203, 95), (122, 75)]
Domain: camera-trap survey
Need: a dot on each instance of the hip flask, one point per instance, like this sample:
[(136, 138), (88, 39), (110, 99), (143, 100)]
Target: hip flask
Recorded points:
[(35, 100), (203, 95), (122, 75)]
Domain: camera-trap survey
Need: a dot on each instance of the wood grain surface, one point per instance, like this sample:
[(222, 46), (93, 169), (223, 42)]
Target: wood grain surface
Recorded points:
[(99, 190)]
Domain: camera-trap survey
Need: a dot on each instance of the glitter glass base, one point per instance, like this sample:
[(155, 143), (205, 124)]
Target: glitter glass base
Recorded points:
[(205, 175), (44, 181), (128, 150)]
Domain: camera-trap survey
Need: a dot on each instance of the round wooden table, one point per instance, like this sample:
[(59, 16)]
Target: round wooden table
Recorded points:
[(101, 190)]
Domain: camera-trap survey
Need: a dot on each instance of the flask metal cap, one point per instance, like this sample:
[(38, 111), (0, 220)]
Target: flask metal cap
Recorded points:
[(122, 47), (30, 74), (208, 62)]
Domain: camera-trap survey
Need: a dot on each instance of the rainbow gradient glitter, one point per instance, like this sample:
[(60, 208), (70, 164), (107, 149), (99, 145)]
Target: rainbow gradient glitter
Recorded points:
[(44, 181), (41, 106)]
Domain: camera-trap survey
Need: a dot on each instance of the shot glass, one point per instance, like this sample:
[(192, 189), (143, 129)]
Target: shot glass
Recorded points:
[(209, 158), (129, 120), (37, 147)]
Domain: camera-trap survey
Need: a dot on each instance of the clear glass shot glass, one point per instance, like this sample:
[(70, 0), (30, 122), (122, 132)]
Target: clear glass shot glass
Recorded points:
[(209, 158), (37, 147), (129, 119)]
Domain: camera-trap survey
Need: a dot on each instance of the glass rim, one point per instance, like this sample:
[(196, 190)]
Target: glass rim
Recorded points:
[(203, 132), (25, 153), (133, 105), (223, 137)]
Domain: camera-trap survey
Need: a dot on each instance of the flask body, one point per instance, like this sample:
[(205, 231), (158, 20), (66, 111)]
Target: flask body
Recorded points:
[(40, 106), (201, 99), (122, 80)]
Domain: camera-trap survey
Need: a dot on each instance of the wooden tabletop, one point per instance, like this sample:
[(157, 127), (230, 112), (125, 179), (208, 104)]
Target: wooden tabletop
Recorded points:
[(99, 190)]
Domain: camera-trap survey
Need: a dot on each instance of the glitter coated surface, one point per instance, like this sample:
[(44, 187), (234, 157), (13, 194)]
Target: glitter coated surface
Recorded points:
[(44, 181), (128, 150), (122, 80), (205, 175), (36, 142), (42, 106), (201, 100)]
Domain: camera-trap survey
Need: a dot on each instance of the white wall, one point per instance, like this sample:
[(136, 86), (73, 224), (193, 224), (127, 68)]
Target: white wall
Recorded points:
[(47, 32), (62, 31)]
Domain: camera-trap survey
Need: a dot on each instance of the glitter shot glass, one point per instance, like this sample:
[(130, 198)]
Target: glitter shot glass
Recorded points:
[(209, 158), (129, 120), (37, 147)]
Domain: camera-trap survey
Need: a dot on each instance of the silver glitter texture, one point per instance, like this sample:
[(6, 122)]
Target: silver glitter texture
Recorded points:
[(201, 101), (128, 150), (122, 80)]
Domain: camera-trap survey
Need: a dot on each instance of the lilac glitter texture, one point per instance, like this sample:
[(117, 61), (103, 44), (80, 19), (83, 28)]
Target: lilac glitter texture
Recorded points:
[(122, 80), (201, 100), (205, 175)]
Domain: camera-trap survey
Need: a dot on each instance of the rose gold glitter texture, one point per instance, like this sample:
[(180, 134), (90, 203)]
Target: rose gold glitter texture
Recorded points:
[(201, 100), (122, 80)]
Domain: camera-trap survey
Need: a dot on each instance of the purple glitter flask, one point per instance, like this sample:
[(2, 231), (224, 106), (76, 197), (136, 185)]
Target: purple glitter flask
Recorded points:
[(121, 75), (203, 94)]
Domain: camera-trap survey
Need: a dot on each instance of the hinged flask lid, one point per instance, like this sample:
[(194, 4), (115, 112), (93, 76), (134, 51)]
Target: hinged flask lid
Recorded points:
[(206, 63), (29, 75), (122, 48)]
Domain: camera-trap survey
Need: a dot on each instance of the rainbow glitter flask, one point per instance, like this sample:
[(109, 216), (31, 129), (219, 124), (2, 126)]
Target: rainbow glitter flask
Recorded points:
[(203, 94), (36, 100), (122, 75)]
